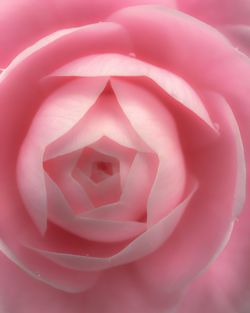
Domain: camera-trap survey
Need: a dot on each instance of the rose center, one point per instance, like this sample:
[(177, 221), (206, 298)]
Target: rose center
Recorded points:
[(101, 170)]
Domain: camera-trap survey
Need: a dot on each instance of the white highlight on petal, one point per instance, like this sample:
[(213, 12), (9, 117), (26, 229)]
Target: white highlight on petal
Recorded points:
[(124, 66), (155, 125), (146, 243), (58, 114)]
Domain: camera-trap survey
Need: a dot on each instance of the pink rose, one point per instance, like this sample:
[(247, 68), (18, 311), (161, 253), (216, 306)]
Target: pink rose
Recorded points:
[(124, 135)]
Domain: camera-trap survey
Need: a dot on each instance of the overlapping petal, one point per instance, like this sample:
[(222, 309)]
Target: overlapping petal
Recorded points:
[(214, 56), (214, 203), (58, 114), (217, 13), (225, 285), (31, 25), (122, 66), (60, 171), (59, 211), (137, 298), (134, 108), (149, 241), (132, 204), (55, 276), (20, 81)]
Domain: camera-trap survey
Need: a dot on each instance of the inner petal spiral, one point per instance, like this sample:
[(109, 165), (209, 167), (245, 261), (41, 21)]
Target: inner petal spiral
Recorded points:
[(113, 167), (97, 166)]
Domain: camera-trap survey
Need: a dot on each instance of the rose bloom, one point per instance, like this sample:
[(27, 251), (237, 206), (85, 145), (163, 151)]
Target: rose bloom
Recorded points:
[(124, 156)]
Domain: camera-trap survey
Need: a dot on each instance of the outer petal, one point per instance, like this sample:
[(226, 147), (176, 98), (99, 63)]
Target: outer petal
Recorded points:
[(26, 21), (225, 287), (196, 243), (144, 244), (213, 53), (129, 66), (229, 16), (21, 82), (239, 35), (45, 271), (118, 290), (217, 12)]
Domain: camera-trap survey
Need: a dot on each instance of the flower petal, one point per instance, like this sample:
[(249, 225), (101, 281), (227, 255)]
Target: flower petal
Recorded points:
[(239, 35), (146, 243), (103, 193), (217, 12), (60, 170), (42, 270), (92, 229), (105, 118), (35, 20), (196, 243), (121, 65), (214, 55), (132, 204), (58, 114), (226, 282), (110, 300), (151, 120), (121, 153)]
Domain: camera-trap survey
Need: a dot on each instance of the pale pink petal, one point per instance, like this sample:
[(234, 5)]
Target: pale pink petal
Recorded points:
[(112, 299), (105, 118), (217, 12), (239, 35), (59, 240), (95, 165), (21, 81), (213, 53), (239, 103), (225, 286), (92, 229), (42, 270), (241, 174), (121, 65), (105, 192), (34, 20), (60, 170), (97, 36), (207, 223), (152, 121), (135, 191), (132, 204), (146, 243), (59, 113), (121, 153)]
